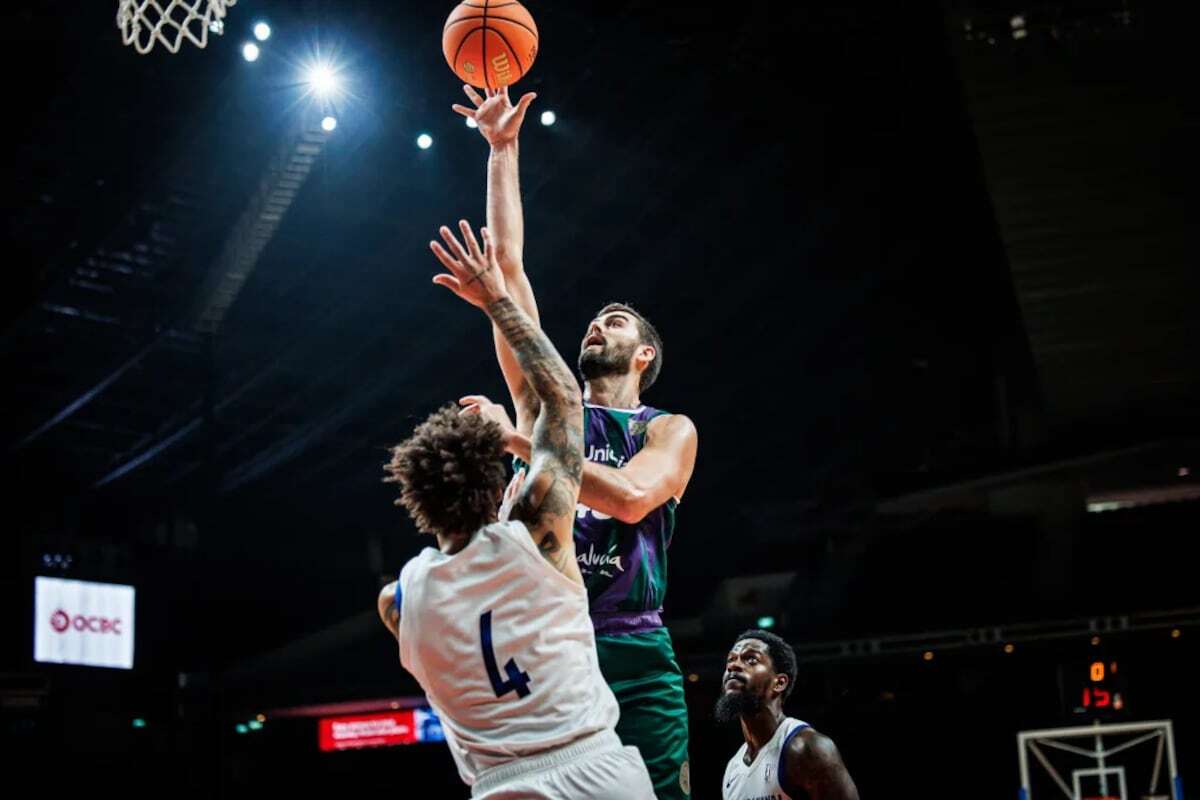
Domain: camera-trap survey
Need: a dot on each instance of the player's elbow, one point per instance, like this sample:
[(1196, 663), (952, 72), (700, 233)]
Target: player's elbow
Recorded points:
[(633, 506)]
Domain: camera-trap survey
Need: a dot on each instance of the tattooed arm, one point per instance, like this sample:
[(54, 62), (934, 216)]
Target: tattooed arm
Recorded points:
[(659, 471), (546, 503)]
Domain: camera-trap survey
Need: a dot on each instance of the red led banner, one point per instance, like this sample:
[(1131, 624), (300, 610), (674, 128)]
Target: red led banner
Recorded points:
[(371, 730)]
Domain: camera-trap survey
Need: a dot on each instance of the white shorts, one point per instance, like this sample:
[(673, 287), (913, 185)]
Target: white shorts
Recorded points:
[(597, 767)]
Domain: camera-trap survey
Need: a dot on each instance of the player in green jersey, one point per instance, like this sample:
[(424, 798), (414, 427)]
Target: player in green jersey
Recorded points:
[(639, 462)]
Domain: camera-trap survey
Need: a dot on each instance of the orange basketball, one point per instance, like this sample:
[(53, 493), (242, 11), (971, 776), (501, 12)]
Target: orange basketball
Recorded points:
[(490, 43)]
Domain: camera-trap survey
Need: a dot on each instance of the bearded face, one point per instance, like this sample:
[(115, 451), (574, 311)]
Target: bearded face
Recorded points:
[(611, 358), (750, 682), (733, 704), (609, 346)]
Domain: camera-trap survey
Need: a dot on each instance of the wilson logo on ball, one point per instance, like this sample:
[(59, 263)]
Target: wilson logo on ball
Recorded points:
[(501, 69)]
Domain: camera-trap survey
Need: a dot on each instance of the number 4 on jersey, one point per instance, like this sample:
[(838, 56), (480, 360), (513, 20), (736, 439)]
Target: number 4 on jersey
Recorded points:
[(518, 681)]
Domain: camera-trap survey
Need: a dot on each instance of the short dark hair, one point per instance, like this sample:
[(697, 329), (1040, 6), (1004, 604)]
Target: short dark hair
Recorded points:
[(649, 335), (783, 657), (451, 472)]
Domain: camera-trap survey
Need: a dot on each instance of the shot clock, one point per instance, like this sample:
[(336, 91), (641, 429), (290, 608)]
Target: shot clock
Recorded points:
[(1095, 689)]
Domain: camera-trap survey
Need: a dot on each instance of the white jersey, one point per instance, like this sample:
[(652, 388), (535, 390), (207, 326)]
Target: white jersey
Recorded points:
[(504, 648), (764, 778)]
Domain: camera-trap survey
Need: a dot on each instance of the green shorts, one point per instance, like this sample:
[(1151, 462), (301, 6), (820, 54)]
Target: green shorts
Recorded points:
[(642, 672)]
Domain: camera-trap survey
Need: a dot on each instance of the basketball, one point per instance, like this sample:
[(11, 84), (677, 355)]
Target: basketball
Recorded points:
[(490, 44)]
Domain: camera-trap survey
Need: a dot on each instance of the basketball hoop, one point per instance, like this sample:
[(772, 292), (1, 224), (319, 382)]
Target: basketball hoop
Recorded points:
[(143, 22), (1116, 761)]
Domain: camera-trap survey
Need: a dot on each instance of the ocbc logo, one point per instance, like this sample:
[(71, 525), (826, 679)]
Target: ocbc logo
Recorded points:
[(61, 621)]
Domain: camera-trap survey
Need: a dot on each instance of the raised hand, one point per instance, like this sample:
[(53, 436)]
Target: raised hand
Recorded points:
[(498, 119), (474, 274)]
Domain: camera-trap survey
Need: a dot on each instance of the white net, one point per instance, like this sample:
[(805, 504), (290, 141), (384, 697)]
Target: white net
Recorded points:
[(169, 22)]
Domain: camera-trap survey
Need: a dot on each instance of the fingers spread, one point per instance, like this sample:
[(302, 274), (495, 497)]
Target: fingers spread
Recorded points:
[(472, 95), (447, 260), (452, 243), (469, 237), (450, 282)]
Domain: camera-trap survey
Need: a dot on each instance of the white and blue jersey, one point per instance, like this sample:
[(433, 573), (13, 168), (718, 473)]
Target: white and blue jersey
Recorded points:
[(504, 648), (764, 778)]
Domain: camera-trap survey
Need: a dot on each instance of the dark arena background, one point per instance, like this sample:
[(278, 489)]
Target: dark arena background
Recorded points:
[(928, 292)]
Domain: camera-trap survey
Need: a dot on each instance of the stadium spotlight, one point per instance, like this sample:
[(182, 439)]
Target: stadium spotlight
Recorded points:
[(322, 79)]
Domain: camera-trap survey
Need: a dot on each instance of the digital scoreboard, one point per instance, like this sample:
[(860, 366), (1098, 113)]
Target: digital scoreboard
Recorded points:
[(1095, 689)]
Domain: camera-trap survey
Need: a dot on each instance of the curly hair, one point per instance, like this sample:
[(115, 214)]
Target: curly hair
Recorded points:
[(450, 471), (649, 335)]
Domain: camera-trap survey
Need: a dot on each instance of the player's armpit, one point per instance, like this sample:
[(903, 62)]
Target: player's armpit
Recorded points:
[(547, 507), (547, 501)]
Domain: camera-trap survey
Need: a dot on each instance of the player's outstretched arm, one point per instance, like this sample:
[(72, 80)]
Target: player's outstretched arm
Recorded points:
[(546, 502), (499, 122), (660, 470), (813, 763)]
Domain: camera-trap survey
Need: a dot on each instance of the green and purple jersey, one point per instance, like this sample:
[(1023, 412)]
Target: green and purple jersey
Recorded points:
[(624, 566), (625, 570)]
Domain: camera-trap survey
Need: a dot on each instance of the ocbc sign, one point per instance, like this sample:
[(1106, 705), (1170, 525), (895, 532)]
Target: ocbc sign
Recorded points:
[(61, 621)]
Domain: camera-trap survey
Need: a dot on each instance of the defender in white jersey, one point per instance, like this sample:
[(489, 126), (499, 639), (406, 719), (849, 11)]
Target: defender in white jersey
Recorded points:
[(782, 758), (493, 623)]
